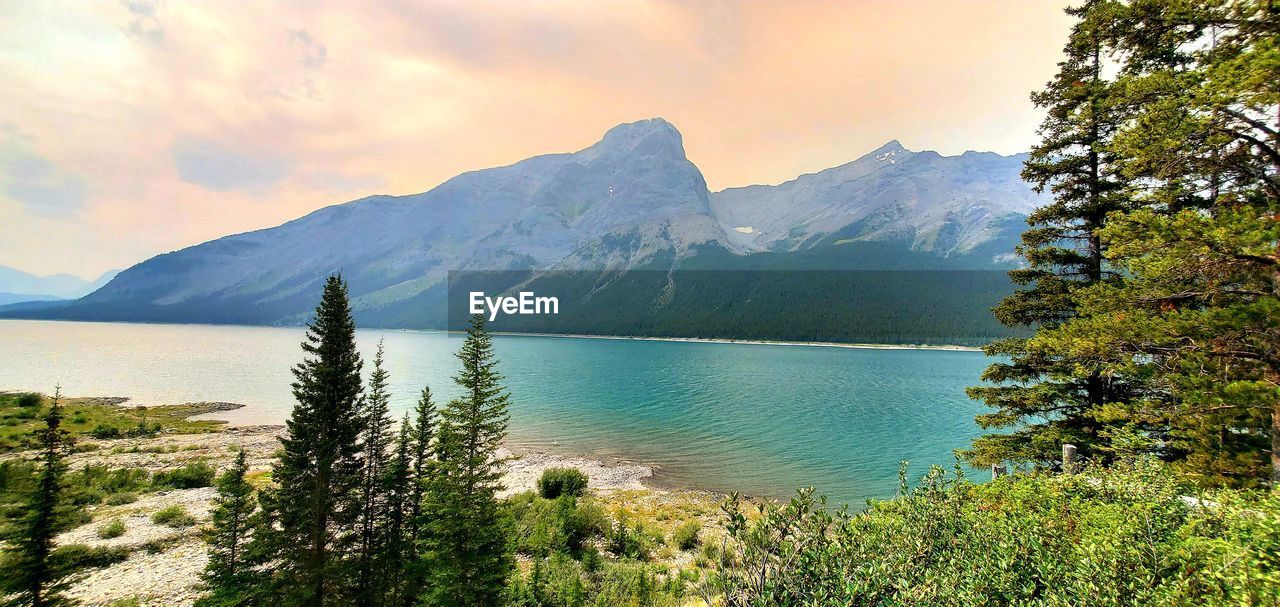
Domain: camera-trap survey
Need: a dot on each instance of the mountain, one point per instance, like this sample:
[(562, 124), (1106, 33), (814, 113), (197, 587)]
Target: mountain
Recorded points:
[(16, 286), (943, 205), (631, 202)]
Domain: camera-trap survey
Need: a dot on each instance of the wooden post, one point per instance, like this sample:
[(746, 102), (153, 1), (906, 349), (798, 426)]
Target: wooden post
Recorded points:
[(998, 471), (1069, 459)]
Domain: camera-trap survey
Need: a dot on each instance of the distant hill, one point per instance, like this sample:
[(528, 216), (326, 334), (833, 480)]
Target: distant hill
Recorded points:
[(19, 286), (631, 202)]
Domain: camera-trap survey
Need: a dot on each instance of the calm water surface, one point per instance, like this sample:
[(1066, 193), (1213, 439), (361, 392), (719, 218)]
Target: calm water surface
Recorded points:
[(758, 419)]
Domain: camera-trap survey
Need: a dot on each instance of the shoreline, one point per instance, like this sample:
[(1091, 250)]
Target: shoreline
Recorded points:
[(708, 340), (746, 342)]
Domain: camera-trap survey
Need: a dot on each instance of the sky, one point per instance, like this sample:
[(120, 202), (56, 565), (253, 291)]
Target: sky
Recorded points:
[(130, 128)]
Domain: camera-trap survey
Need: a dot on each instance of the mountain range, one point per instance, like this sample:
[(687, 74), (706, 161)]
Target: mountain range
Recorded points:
[(19, 286), (631, 202)]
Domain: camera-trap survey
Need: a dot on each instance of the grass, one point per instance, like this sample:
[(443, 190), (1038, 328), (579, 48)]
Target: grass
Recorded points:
[(21, 414)]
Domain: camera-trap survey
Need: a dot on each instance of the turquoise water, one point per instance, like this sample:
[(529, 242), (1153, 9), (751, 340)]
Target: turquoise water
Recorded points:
[(759, 419)]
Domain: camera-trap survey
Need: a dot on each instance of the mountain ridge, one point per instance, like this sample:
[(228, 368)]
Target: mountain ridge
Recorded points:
[(631, 200)]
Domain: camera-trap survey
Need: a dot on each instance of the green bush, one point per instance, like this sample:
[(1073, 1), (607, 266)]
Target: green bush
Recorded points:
[(630, 541), (113, 528), (104, 432), (1108, 538), (555, 482), (190, 476), (173, 516), (559, 581), (542, 526), (76, 557), (685, 537), (111, 480), (28, 400)]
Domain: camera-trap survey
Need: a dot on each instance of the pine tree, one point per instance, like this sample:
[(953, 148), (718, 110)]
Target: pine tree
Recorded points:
[(376, 437), (396, 553), (1048, 398), (424, 432), (464, 541), (32, 577), (422, 461), (318, 473), (229, 576), (1201, 314)]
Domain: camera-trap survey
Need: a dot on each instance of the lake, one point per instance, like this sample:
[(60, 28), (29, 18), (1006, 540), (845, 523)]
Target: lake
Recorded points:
[(759, 419)]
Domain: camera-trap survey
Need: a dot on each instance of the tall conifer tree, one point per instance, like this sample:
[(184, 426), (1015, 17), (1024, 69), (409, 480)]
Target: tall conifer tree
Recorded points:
[(1047, 398), (230, 576), (464, 541), (396, 552), (319, 469), (376, 437), (1201, 314), (32, 577), (423, 456)]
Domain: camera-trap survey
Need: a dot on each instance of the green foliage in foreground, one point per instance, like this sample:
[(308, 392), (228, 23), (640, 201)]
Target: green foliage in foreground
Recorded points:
[(563, 537), (1120, 537), (555, 482)]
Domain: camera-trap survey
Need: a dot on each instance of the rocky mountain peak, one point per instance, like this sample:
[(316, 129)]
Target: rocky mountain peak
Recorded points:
[(651, 137)]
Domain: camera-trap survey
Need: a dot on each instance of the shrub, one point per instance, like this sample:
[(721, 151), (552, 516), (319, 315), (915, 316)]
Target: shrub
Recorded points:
[(173, 516), (543, 526), (629, 541), (685, 537), (122, 498), (28, 400), (626, 584), (111, 480), (190, 476), (114, 528), (555, 482), (1123, 536), (102, 432), (75, 557)]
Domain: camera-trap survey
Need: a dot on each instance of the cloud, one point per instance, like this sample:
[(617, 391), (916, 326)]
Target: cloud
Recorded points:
[(311, 54), (155, 125), (214, 166), (144, 21), (35, 182)]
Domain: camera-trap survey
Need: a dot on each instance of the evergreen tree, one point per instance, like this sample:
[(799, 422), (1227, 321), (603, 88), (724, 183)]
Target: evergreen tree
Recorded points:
[(318, 473), (396, 554), (422, 467), (32, 577), (465, 547), (1201, 314), (229, 576), (376, 437), (1045, 397), (424, 431)]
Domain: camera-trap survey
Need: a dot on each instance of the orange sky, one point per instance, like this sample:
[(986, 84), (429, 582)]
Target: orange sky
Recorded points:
[(134, 127)]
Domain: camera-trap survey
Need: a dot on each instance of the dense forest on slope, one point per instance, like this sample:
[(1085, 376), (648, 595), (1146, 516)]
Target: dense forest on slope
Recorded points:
[(909, 307)]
